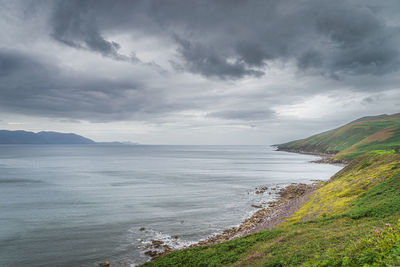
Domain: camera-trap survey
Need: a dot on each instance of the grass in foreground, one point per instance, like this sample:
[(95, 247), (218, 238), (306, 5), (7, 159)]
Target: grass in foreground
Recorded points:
[(224, 253)]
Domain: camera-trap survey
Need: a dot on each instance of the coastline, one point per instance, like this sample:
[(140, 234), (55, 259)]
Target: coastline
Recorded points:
[(326, 158), (289, 200), (314, 153)]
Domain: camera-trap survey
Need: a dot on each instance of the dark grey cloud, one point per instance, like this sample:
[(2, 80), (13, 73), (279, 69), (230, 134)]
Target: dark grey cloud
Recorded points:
[(29, 85), (74, 24), (78, 24), (211, 62), (364, 42), (233, 39)]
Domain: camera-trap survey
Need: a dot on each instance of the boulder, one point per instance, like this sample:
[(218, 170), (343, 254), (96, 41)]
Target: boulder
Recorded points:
[(105, 264)]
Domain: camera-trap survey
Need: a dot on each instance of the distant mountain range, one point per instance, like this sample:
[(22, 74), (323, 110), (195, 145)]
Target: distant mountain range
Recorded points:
[(24, 137)]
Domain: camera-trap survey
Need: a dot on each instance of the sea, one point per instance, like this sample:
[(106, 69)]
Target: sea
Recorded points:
[(79, 205)]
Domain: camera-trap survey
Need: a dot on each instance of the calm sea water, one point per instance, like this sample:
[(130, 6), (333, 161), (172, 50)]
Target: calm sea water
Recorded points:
[(80, 205)]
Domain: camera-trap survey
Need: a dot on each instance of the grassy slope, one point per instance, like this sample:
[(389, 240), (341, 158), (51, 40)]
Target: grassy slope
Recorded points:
[(344, 187), (334, 228), (352, 139), (386, 140)]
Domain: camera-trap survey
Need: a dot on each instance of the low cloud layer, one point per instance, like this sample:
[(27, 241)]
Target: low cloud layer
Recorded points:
[(244, 115), (33, 86), (181, 66)]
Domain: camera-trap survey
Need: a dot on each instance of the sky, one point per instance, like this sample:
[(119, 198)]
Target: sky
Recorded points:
[(197, 72)]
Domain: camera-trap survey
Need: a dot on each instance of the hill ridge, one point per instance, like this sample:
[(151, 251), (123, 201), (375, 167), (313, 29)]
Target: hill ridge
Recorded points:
[(42, 137), (338, 141)]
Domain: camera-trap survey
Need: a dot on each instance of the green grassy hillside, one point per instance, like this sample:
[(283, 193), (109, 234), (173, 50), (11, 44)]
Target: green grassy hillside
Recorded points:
[(353, 139), (386, 140), (352, 220)]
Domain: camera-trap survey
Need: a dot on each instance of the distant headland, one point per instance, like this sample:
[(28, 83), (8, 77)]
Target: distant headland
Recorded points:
[(25, 137), (49, 138)]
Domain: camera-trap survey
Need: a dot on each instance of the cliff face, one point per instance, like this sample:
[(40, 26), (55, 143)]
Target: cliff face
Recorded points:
[(351, 140)]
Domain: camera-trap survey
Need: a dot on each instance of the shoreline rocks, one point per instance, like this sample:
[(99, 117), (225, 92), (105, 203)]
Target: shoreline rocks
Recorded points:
[(290, 199), (326, 158), (261, 190), (315, 153), (105, 264), (157, 248)]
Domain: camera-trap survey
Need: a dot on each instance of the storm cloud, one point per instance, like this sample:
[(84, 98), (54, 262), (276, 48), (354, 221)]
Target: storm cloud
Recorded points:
[(233, 39), (29, 85), (188, 66), (76, 25)]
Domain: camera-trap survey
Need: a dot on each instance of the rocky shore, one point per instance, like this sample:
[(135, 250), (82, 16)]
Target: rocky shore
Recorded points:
[(289, 200), (326, 158), (330, 160), (306, 152)]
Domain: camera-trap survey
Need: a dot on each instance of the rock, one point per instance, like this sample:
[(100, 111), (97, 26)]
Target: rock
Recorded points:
[(175, 236), (167, 248), (157, 243), (151, 253), (105, 264), (263, 216), (293, 191), (261, 190)]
